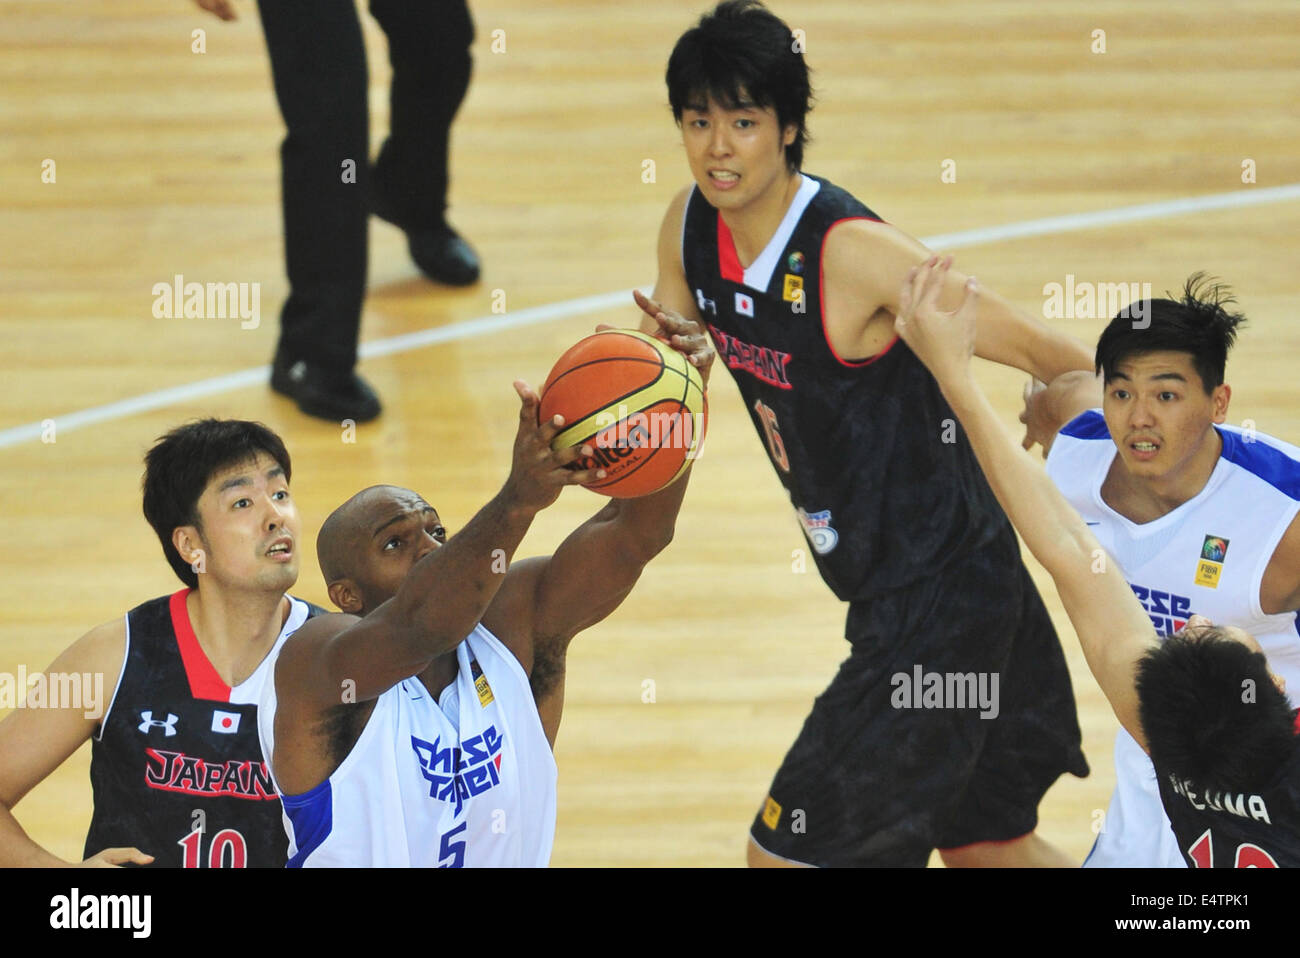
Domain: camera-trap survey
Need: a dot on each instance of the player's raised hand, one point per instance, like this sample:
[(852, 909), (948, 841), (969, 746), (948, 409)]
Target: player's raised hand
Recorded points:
[(115, 858), (538, 472), (1034, 417), (943, 341), (686, 336)]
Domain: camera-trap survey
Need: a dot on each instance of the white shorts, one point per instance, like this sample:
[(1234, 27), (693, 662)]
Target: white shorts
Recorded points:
[(1136, 832)]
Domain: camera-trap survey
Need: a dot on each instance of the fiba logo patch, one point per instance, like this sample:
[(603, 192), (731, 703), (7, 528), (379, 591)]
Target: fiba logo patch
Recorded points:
[(455, 774), (1215, 548), (817, 527), (1213, 551)]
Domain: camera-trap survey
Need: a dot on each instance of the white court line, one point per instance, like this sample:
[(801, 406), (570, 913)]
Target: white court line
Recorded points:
[(484, 325)]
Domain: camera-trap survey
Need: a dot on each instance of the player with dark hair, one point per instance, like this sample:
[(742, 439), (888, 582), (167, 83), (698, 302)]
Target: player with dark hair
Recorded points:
[(797, 283), (176, 767), (1202, 517), (1204, 704), (415, 729)]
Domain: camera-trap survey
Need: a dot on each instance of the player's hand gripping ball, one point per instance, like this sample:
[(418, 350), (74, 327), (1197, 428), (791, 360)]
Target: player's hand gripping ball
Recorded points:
[(636, 402)]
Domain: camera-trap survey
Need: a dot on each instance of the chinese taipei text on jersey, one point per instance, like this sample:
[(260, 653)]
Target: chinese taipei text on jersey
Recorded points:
[(465, 781), (1207, 557), (176, 767)]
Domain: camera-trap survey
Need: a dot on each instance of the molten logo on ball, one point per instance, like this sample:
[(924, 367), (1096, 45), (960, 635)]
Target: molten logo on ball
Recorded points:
[(636, 401)]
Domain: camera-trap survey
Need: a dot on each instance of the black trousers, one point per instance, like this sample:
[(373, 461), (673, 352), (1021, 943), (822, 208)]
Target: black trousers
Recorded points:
[(318, 62)]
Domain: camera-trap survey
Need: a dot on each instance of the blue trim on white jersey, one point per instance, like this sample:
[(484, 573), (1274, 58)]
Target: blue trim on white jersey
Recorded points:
[(1259, 458), (312, 815), (1087, 425)]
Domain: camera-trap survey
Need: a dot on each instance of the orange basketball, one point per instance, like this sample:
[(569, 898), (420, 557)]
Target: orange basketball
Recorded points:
[(636, 401)]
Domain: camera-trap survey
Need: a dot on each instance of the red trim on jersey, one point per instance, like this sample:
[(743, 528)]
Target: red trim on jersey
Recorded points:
[(728, 259), (821, 300), (205, 683), (1297, 722)]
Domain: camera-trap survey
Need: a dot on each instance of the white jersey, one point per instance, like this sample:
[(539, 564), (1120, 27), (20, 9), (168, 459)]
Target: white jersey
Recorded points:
[(1206, 557), (466, 781)]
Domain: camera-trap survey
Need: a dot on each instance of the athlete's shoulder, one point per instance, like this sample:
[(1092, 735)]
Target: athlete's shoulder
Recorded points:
[(157, 605), (1270, 459), (320, 626), (99, 651), (838, 201), (1089, 424), (313, 609)]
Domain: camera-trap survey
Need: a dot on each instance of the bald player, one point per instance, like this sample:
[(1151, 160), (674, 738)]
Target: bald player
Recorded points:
[(415, 728)]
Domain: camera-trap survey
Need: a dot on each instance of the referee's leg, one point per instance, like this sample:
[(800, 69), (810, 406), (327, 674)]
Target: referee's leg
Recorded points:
[(428, 45), (318, 62)]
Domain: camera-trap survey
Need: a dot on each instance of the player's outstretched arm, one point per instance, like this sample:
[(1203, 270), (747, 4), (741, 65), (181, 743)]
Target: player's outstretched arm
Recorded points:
[(546, 601), (1113, 629), (863, 268), (445, 593), (36, 740)]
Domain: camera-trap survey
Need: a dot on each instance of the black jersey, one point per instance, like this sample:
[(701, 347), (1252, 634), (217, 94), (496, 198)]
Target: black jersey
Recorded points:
[(1235, 829), (878, 469), (176, 766)]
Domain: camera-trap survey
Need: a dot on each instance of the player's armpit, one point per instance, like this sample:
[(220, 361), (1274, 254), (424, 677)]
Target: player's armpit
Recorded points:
[(588, 577), (863, 265), (1279, 590), (38, 738), (867, 262)]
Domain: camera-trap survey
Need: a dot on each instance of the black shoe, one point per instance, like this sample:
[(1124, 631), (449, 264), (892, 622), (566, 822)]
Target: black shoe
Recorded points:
[(331, 396), (443, 256), (440, 252)]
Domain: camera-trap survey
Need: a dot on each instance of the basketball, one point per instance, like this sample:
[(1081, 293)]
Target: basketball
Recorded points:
[(636, 402)]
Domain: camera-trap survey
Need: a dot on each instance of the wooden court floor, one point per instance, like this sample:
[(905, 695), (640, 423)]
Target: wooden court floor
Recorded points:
[(166, 163)]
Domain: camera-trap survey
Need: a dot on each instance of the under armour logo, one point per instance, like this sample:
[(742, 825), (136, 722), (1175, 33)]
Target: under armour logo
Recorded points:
[(706, 305), (149, 722)]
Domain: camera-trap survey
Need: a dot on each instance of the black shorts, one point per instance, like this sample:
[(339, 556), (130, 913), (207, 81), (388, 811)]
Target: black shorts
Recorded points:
[(950, 719)]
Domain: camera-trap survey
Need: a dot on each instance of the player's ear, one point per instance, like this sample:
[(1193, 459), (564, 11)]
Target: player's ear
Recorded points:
[(1220, 397), (190, 546), (788, 134), (347, 596)]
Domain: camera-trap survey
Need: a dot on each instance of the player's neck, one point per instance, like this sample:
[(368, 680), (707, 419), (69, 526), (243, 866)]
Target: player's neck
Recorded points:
[(1145, 499), (235, 629), (440, 673), (753, 225)]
